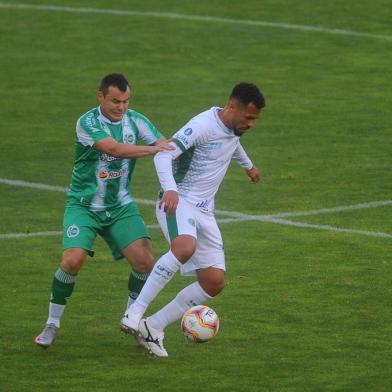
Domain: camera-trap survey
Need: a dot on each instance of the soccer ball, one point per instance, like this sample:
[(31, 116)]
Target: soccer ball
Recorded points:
[(200, 323)]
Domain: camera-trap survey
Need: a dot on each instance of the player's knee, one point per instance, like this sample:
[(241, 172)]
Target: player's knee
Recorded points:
[(70, 266), (144, 262), (72, 260), (139, 255), (183, 255), (183, 247), (213, 286)]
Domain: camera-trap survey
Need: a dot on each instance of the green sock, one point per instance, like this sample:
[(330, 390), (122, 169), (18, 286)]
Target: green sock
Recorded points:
[(62, 287), (135, 283)]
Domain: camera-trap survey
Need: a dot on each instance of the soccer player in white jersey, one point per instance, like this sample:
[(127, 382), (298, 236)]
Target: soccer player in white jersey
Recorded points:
[(190, 176), (99, 200)]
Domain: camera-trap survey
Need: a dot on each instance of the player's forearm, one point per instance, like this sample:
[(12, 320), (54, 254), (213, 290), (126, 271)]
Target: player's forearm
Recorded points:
[(121, 150), (163, 162), (242, 158), (131, 151)]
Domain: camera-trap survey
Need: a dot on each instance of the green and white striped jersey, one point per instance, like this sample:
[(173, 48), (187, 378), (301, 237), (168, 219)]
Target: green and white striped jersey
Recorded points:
[(100, 181)]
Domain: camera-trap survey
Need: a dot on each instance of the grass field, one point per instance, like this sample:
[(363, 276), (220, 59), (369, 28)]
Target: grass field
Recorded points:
[(307, 306)]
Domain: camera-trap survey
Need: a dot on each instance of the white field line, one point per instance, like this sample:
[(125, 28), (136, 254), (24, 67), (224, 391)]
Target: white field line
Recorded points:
[(55, 188), (197, 18), (270, 219), (371, 204), (28, 235), (242, 216), (231, 216), (47, 233)]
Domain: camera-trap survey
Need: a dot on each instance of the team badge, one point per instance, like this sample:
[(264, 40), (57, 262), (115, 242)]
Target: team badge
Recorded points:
[(73, 231), (129, 139)]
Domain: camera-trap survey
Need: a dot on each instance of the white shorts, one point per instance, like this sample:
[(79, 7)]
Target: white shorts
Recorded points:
[(189, 220)]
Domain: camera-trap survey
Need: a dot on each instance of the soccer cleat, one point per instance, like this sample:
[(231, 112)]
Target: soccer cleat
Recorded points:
[(152, 339), (47, 336), (129, 324)]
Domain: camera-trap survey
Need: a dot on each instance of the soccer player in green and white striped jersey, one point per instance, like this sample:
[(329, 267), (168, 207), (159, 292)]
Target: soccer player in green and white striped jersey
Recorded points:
[(99, 200)]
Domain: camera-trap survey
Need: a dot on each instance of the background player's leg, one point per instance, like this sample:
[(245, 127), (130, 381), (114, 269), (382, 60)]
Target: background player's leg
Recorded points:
[(140, 258), (62, 287)]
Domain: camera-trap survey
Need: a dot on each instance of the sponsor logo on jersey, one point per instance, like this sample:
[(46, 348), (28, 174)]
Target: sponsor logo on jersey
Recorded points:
[(103, 175), (90, 120), (188, 131), (215, 145), (108, 175), (73, 231), (183, 139), (163, 272), (107, 158), (202, 204)]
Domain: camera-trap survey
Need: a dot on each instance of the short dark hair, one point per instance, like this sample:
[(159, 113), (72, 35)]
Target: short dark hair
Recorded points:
[(246, 93), (114, 79)]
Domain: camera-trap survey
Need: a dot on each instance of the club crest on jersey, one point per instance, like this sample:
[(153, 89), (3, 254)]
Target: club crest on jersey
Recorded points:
[(107, 175), (73, 231), (129, 138)]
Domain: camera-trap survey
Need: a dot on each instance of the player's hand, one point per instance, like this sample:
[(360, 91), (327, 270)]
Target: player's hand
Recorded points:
[(169, 202), (154, 149), (164, 144), (254, 174)]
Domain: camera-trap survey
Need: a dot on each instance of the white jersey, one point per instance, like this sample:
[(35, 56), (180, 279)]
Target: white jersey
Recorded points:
[(204, 148)]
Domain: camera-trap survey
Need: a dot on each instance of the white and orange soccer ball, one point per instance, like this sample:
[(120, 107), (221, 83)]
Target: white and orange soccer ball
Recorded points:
[(200, 323)]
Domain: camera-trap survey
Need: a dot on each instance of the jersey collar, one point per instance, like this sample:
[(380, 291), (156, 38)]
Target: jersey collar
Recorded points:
[(216, 111), (103, 118)]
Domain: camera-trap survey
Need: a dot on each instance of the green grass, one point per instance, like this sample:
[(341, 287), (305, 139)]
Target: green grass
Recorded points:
[(303, 309)]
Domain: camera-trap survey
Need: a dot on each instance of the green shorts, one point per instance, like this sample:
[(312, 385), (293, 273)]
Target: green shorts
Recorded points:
[(118, 227)]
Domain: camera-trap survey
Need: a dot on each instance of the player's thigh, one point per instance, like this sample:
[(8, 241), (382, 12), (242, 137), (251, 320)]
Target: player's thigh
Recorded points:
[(182, 222), (209, 247), (126, 227), (179, 229), (212, 280), (209, 234), (80, 228)]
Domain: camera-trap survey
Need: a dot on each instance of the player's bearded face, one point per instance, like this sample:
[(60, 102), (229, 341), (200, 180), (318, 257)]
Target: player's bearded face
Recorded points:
[(243, 117), (114, 103)]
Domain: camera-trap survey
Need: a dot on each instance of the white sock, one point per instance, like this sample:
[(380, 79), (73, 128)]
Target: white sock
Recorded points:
[(164, 269), (55, 313), (191, 295), (129, 303)]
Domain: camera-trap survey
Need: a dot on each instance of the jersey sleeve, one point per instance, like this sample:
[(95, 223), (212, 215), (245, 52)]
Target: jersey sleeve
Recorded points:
[(242, 158), (163, 162), (89, 130), (193, 133), (147, 130)]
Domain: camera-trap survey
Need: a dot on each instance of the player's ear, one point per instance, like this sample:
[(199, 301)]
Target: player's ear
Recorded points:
[(231, 104), (100, 95)]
